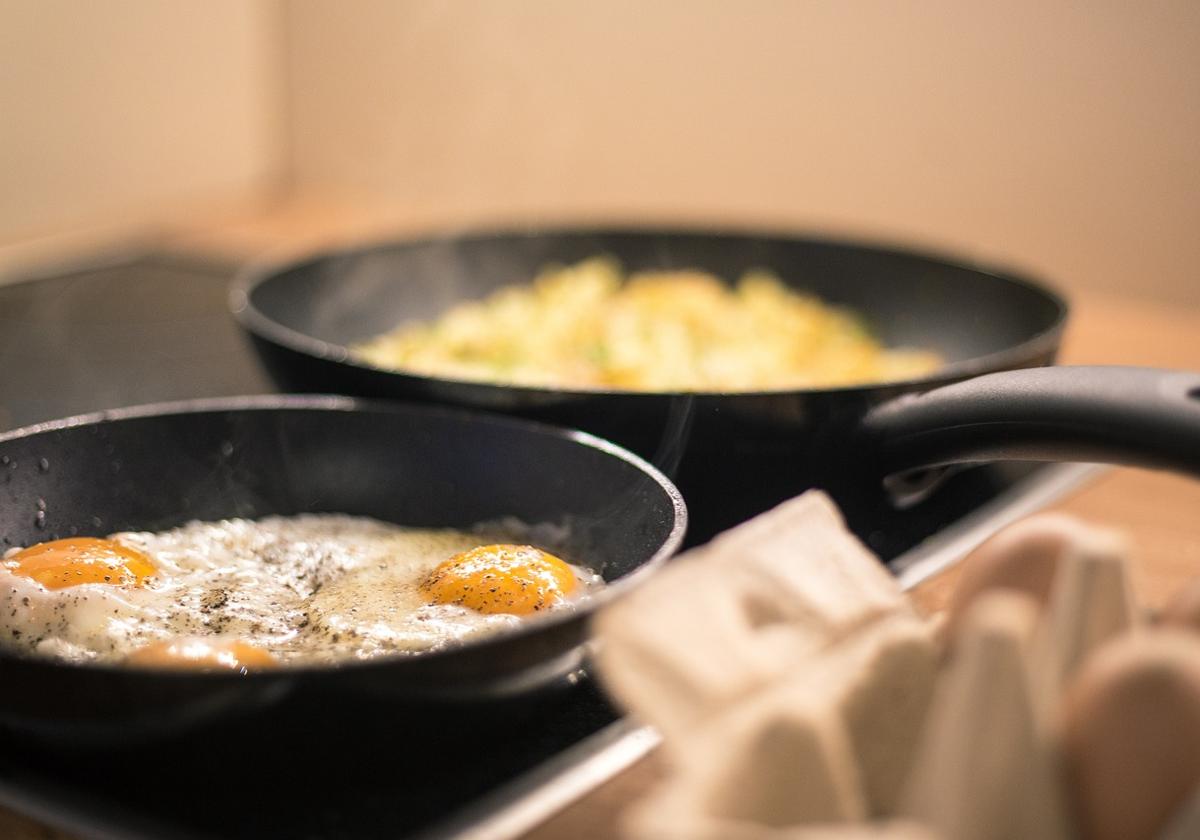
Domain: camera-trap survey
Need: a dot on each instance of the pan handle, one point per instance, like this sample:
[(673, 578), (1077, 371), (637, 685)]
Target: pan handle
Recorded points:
[(1120, 415)]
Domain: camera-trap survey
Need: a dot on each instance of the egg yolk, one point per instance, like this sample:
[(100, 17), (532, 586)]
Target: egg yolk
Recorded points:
[(200, 654), (71, 562), (515, 579)]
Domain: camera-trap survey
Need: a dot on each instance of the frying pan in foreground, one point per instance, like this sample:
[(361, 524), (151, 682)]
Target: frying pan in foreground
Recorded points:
[(731, 454), (161, 466)]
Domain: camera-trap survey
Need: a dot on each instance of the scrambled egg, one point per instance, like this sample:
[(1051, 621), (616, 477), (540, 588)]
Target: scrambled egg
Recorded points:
[(588, 326)]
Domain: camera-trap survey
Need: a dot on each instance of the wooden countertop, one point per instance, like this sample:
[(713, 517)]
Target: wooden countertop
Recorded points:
[(1156, 509)]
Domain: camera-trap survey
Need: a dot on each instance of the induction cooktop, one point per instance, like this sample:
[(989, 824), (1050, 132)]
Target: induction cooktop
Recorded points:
[(156, 329)]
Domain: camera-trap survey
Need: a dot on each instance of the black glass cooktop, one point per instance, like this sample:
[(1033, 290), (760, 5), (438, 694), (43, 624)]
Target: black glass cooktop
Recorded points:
[(155, 330)]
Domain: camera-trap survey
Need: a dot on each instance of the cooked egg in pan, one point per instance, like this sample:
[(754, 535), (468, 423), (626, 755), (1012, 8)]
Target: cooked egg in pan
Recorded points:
[(245, 595)]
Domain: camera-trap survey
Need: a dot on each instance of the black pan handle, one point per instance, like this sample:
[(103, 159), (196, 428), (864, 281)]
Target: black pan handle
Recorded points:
[(1120, 415)]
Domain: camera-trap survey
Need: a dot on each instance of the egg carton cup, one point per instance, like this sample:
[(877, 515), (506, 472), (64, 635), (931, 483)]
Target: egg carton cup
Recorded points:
[(725, 620), (800, 695)]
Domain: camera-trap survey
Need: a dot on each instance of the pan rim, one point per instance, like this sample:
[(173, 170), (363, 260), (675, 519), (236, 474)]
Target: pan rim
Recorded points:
[(257, 323), (334, 402)]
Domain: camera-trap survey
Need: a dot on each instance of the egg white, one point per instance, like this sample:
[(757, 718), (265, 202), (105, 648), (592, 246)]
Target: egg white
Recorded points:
[(314, 588)]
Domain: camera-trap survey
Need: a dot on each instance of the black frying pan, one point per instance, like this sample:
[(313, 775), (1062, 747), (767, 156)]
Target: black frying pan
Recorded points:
[(156, 468), (735, 454)]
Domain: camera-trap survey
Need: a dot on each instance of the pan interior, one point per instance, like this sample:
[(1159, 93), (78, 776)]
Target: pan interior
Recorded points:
[(409, 465), (908, 299)]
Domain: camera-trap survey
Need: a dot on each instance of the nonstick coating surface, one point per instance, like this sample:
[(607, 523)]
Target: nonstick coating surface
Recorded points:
[(158, 468), (732, 455)]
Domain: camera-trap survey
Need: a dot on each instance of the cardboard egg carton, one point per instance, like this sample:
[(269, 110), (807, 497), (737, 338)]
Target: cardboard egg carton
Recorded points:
[(801, 696)]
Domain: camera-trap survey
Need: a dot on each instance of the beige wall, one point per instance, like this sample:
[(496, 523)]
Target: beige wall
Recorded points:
[(1059, 135), (115, 113)]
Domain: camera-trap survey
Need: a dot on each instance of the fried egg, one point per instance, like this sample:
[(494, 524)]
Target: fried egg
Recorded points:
[(244, 595)]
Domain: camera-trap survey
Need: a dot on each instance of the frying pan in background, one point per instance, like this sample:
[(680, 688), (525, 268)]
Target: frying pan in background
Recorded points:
[(158, 467), (736, 454)]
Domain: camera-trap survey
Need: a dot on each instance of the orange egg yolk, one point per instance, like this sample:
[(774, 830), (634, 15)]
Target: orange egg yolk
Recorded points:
[(62, 563), (200, 654), (515, 579)]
